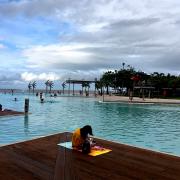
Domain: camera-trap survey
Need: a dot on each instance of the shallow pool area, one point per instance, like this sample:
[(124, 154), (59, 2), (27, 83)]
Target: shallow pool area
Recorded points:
[(155, 127)]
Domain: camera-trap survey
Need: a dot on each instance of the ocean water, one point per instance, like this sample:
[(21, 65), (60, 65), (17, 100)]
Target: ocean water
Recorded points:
[(155, 127)]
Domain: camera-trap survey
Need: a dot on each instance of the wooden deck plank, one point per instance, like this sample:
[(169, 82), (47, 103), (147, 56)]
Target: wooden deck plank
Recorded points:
[(43, 159), (11, 113)]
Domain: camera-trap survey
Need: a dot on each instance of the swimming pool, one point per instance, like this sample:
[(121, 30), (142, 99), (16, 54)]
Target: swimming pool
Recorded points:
[(154, 127)]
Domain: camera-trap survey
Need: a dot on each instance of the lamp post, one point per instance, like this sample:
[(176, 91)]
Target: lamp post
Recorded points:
[(103, 93), (95, 87), (115, 81), (123, 64)]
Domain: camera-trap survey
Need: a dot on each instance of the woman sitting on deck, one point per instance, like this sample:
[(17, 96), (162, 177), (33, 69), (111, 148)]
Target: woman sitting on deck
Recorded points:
[(81, 140), (4, 110)]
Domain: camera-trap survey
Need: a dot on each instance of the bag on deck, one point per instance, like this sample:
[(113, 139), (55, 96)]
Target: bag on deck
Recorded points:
[(86, 147)]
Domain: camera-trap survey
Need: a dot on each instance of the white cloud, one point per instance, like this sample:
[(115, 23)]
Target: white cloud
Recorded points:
[(26, 76), (93, 28), (142, 33), (56, 56), (2, 46)]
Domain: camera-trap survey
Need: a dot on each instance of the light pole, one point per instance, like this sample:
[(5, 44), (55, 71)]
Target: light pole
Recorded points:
[(123, 65), (103, 93), (115, 81), (95, 86)]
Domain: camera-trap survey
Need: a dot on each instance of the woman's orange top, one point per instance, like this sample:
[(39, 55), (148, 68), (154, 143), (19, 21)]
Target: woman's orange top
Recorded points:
[(77, 140)]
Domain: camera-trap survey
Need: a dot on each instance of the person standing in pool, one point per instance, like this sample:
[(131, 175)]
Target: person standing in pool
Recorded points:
[(80, 139)]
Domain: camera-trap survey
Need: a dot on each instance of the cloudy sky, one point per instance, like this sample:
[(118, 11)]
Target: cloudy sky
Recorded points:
[(58, 39)]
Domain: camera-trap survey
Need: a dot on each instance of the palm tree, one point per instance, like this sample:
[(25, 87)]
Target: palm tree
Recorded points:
[(63, 86), (51, 84), (95, 86), (34, 86), (99, 85), (83, 85), (29, 86), (47, 84), (86, 85), (107, 79)]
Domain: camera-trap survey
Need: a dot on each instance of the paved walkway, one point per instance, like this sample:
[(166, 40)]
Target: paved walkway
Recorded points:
[(138, 100)]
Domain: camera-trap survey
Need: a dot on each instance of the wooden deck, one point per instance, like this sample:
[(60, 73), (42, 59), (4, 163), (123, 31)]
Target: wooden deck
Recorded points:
[(43, 159), (11, 113)]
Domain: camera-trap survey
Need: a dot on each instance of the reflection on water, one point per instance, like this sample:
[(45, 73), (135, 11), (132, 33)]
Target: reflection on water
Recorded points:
[(26, 123), (151, 126)]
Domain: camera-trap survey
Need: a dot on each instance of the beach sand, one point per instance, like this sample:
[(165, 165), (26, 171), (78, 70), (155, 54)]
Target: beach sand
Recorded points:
[(114, 98)]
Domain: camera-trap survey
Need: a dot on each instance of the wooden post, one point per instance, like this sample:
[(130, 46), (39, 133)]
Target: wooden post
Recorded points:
[(82, 88), (40, 95), (26, 106), (73, 89)]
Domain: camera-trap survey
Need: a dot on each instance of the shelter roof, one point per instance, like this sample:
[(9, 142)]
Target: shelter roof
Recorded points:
[(79, 81)]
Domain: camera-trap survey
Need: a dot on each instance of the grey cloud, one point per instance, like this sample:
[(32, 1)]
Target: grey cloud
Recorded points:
[(151, 45), (44, 8), (140, 48), (79, 12), (11, 76), (10, 80), (170, 60), (176, 22), (95, 63), (142, 41), (131, 31), (133, 22), (27, 7), (126, 33)]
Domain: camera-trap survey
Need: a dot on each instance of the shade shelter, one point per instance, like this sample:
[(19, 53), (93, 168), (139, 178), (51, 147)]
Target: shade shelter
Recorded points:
[(81, 82), (143, 89)]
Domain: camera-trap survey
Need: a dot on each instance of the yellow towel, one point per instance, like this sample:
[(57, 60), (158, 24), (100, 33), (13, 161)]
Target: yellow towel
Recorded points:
[(95, 152)]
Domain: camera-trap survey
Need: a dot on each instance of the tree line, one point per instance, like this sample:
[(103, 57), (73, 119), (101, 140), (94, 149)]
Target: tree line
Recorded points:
[(124, 80), (128, 78), (50, 84)]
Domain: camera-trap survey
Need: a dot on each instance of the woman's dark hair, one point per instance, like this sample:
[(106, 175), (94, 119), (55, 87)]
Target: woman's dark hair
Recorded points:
[(85, 131)]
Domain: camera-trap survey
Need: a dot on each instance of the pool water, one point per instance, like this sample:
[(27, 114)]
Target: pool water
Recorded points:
[(155, 127)]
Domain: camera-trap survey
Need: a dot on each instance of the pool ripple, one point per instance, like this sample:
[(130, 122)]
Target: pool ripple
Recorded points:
[(154, 127)]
